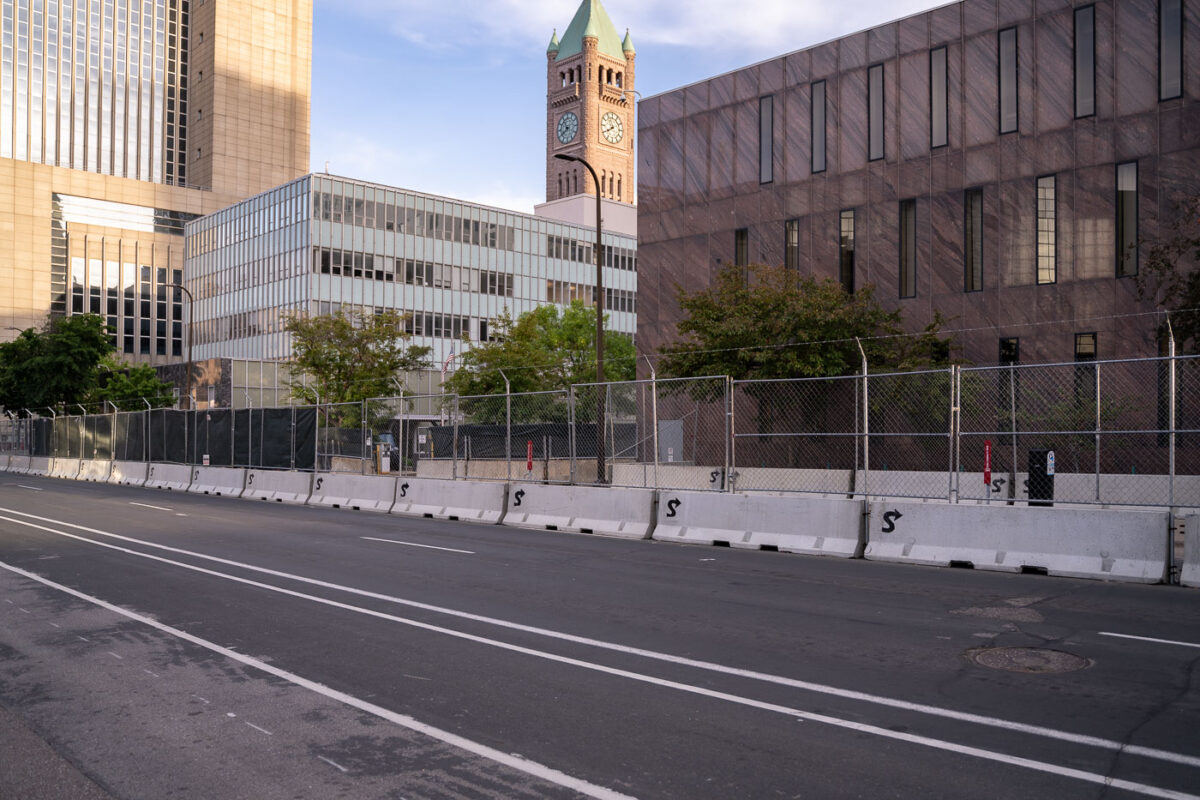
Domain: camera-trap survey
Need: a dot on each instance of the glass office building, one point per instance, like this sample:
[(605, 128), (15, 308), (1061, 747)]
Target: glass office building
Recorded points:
[(323, 244)]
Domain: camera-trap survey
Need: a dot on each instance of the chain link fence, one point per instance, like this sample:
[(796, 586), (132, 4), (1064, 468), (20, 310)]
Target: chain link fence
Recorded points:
[(1097, 432)]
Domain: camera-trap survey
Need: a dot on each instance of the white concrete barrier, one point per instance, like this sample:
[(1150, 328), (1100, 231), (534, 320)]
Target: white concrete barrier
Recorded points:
[(39, 465), (359, 492), (1079, 543), (18, 465), (904, 483), (1189, 575), (175, 477), (4, 461), (94, 470), (128, 473), (470, 501), (67, 468), (627, 513), (220, 481), (278, 485), (790, 523)]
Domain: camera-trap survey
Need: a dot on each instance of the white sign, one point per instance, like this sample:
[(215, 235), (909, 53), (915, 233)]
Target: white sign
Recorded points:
[(206, 459), (420, 438), (1050, 462), (670, 454)]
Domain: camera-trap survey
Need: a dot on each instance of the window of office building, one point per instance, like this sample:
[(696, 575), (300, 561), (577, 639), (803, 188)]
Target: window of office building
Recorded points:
[(817, 126), (1009, 116), (875, 112), (938, 89), (908, 248), (741, 247), (1010, 351), (1085, 371), (791, 244), (1127, 219), (846, 250), (1047, 231), (1170, 49), (973, 240), (766, 139), (1085, 61)]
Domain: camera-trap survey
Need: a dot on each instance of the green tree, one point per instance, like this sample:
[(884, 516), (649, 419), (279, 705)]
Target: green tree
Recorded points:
[(126, 386), (1171, 273), (350, 358), (57, 365)]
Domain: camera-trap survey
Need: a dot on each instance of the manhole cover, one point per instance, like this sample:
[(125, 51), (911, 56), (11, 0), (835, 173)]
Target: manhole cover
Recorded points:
[(1036, 660)]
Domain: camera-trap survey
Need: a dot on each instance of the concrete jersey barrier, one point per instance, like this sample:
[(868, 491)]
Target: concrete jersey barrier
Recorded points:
[(39, 465), (128, 473), (1079, 543), (277, 485), (94, 470), (470, 501), (174, 477), (358, 492), (625, 513), (4, 462), (790, 523), (220, 481), (1189, 575), (67, 468), (18, 465)]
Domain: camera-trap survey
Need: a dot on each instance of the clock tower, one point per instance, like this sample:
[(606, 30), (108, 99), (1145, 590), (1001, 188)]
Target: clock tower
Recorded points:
[(590, 115)]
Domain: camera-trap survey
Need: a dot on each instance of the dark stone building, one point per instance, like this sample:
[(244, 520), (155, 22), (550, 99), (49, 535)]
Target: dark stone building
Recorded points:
[(994, 160)]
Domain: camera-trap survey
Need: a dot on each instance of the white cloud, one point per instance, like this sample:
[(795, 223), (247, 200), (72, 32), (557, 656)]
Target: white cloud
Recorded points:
[(757, 27)]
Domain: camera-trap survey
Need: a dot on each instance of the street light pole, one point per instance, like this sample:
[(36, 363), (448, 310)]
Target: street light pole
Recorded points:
[(601, 470), (191, 316)]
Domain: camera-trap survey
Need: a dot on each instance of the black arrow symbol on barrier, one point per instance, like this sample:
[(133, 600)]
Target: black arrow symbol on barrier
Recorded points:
[(404, 490), (889, 521), (673, 504), (520, 493), (712, 476)]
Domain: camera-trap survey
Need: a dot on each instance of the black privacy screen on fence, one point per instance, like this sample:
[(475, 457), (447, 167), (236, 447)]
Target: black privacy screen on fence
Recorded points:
[(270, 438)]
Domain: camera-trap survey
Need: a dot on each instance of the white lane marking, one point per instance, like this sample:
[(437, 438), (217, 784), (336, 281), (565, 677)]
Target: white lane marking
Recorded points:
[(848, 694), (147, 505), (1149, 639), (80, 638), (262, 730), (521, 764), (114, 655), (230, 714), (55, 625), (201, 699), (415, 677), (10, 602), (151, 674), (23, 610), (565, 780), (413, 544), (333, 763), (30, 488)]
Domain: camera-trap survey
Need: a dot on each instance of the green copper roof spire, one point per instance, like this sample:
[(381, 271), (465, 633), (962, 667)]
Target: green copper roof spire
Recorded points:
[(627, 45), (553, 48), (591, 20)]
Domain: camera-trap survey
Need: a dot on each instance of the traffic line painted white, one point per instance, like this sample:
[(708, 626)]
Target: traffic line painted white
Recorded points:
[(147, 505), (553, 775), (414, 544), (114, 655), (833, 691), (151, 674), (261, 730), (333, 764), (532, 768), (30, 488), (1149, 639)]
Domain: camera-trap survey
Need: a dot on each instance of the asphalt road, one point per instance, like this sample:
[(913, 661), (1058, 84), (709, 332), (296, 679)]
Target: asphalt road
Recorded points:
[(167, 645)]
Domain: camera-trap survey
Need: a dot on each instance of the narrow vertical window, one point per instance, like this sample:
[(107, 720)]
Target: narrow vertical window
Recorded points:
[(1085, 61), (1007, 43), (1085, 369), (766, 139), (741, 247), (908, 248), (1127, 219), (817, 126), (973, 240), (937, 98), (1170, 49), (846, 251), (791, 244), (875, 113), (1047, 231), (1010, 351)]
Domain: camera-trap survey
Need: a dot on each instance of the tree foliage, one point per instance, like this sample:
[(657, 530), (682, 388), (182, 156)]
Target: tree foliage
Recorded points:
[(129, 388), (351, 358), (543, 350), (1171, 273), (57, 365), (768, 322)]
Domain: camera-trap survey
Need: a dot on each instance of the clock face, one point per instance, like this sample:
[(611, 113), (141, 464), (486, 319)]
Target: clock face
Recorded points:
[(611, 127), (568, 126)]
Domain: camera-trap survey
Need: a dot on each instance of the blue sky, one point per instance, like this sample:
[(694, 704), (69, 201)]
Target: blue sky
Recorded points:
[(449, 97)]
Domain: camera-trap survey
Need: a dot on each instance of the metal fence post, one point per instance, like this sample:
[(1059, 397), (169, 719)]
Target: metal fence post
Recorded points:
[(1012, 424), (571, 431), (955, 450), (866, 433), (507, 427), (362, 431), (454, 437), (730, 437), (1097, 433)]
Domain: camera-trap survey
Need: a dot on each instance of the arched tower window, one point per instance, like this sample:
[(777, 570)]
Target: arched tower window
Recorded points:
[(618, 187), (619, 79), (560, 191), (562, 77)]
